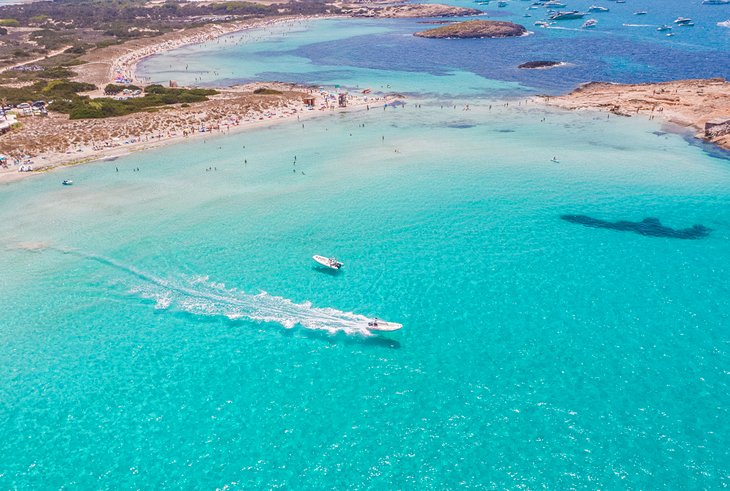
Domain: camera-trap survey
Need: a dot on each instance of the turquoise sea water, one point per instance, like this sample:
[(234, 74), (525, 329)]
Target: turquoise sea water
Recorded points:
[(168, 328)]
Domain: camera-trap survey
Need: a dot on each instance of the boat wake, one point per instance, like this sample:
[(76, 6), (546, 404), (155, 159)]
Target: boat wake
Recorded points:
[(201, 296)]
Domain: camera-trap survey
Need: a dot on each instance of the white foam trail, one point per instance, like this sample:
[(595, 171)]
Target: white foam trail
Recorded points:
[(200, 296)]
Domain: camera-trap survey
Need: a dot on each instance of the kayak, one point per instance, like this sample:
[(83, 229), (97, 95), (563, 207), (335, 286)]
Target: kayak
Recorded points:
[(330, 262), (378, 325)]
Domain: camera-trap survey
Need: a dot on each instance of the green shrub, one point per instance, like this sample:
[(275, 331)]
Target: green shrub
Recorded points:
[(9, 23), (267, 91)]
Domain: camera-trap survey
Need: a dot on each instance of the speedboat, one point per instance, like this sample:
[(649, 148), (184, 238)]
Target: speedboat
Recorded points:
[(682, 20), (596, 8), (589, 23), (67, 182), (330, 262), (664, 28), (378, 325), (641, 12), (542, 23), (554, 3), (573, 14)]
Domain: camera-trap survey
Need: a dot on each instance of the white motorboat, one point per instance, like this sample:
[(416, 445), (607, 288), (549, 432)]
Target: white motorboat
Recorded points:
[(330, 262), (573, 14), (379, 325), (664, 28), (596, 8), (589, 23), (682, 20), (67, 182)]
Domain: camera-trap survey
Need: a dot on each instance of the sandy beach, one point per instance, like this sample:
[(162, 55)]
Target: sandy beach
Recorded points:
[(104, 65), (48, 142), (55, 141), (685, 103)]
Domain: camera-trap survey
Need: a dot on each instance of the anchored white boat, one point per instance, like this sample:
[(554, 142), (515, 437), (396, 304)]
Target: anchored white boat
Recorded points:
[(330, 262), (378, 325)]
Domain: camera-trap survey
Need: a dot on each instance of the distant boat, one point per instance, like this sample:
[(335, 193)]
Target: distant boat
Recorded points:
[(597, 8), (716, 2), (664, 28), (641, 12), (573, 14), (682, 20), (589, 23), (542, 23), (554, 4), (67, 182), (725, 23), (330, 262)]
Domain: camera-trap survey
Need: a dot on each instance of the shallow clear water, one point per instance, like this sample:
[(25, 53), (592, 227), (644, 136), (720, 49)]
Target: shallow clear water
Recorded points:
[(167, 327)]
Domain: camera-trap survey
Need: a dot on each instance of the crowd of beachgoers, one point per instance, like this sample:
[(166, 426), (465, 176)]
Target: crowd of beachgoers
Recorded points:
[(54, 140)]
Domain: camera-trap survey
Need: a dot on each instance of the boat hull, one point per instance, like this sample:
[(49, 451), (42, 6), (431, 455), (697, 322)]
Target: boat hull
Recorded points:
[(325, 261), (384, 326)]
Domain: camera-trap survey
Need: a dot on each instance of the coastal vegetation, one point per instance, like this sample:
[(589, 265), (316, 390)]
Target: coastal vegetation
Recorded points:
[(475, 29), (267, 91), (64, 96), (105, 107)]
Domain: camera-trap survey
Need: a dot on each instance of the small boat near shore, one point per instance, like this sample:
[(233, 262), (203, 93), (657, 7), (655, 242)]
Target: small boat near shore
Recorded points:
[(67, 182), (330, 262)]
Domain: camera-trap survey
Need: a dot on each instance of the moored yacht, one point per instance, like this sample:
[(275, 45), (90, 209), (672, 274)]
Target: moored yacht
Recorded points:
[(573, 14), (597, 8)]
